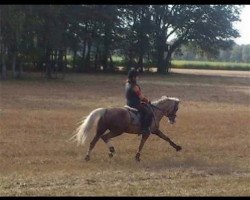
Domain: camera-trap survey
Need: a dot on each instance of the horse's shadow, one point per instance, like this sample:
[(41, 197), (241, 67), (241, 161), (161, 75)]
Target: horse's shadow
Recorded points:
[(189, 164)]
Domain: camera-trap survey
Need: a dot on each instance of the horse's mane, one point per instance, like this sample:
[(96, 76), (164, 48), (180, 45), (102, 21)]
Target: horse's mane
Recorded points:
[(165, 98)]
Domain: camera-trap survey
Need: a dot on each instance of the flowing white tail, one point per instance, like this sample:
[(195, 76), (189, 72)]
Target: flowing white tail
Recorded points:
[(83, 131)]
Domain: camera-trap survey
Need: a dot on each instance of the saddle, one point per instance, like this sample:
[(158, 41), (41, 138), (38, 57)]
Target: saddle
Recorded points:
[(134, 114)]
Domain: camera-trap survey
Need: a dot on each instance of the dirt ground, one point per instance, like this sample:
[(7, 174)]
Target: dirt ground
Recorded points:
[(37, 118)]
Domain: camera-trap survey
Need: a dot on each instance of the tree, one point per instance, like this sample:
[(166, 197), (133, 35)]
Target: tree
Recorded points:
[(137, 33), (246, 53), (12, 24), (42, 35), (2, 47), (207, 26), (236, 54)]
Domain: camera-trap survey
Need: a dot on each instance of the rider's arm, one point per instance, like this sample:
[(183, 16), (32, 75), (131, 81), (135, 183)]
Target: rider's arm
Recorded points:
[(140, 95)]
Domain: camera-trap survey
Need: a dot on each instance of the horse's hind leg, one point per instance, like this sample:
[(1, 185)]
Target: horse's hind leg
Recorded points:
[(100, 130), (91, 146), (106, 138), (143, 140)]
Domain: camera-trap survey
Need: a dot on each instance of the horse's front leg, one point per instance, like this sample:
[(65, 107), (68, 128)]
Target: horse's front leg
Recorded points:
[(164, 137), (143, 140)]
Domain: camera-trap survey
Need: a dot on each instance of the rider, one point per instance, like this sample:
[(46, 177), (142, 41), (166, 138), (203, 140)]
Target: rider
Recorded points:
[(136, 99)]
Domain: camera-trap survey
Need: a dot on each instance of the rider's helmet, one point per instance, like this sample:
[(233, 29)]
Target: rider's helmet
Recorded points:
[(132, 73)]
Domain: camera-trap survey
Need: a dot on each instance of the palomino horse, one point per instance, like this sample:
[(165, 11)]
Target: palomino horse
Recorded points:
[(124, 120)]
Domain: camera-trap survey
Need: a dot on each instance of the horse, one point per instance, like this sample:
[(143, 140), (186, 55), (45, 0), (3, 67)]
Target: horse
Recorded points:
[(112, 122)]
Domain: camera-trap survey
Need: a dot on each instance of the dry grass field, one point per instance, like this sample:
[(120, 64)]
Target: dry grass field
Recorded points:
[(38, 117)]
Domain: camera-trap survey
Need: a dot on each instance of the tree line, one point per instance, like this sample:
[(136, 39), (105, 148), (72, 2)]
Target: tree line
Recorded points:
[(48, 37), (238, 53)]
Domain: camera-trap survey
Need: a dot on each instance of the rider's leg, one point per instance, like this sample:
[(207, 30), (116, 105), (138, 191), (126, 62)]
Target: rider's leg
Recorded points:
[(145, 119)]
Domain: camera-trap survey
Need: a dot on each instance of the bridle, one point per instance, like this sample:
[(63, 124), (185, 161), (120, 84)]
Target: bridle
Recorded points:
[(157, 108), (164, 114)]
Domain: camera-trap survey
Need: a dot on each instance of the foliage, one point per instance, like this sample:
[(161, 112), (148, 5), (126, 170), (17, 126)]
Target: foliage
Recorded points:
[(45, 35)]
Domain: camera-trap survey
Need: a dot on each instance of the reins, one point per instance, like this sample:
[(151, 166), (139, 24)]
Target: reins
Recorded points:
[(153, 106), (157, 108)]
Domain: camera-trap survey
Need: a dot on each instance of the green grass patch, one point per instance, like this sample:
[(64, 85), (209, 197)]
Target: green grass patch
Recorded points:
[(185, 64)]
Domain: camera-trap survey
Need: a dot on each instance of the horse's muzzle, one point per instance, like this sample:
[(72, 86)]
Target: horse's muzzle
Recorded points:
[(171, 121)]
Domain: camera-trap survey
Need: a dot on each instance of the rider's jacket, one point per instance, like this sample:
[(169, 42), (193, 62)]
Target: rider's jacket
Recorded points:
[(132, 98)]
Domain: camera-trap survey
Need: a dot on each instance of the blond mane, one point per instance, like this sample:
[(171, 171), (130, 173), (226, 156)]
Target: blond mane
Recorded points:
[(165, 98)]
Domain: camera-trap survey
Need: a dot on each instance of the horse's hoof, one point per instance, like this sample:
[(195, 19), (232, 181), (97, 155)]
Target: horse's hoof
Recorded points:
[(178, 148), (137, 157), (110, 155), (87, 158), (112, 149)]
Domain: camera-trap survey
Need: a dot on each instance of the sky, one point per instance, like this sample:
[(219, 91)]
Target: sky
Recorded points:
[(244, 26)]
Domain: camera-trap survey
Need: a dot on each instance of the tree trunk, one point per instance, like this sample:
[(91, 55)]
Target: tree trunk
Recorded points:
[(105, 55), (52, 61), (140, 63), (84, 49), (2, 51), (60, 60), (170, 51), (130, 60), (111, 64), (4, 69), (96, 58), (165, 65), (19, 69), (74, 59), (64, 62), (160, 62), (106, 42), (105, 61), (14, 65), (83, 60), (160, 48), (168, 62), (48, 64), (87, 60)]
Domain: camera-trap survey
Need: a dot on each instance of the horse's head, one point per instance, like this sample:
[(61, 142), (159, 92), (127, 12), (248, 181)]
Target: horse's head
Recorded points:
[(169, 107), (171, 113)]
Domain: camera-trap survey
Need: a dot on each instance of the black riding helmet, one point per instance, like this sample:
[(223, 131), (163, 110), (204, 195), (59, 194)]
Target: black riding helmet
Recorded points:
[(132, 73)]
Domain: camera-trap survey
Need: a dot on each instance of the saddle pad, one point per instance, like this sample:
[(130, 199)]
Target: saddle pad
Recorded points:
[(130, 108), (134, 114)]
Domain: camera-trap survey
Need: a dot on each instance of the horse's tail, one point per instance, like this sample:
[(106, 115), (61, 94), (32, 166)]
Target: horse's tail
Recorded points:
[(83, 131)]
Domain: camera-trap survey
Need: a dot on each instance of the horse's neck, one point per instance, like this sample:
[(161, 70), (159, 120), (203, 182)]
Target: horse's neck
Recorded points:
[(163, 106), (158, 113)]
